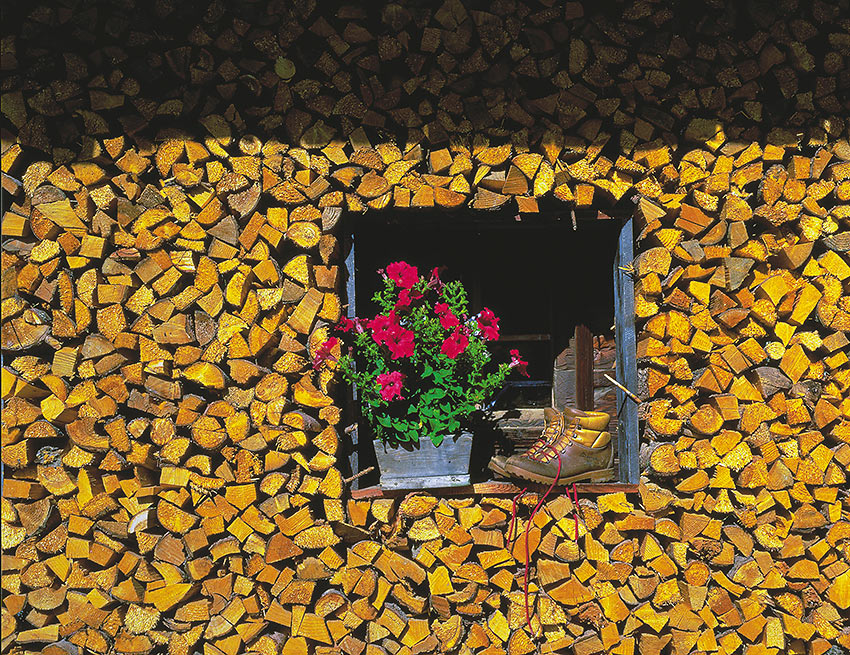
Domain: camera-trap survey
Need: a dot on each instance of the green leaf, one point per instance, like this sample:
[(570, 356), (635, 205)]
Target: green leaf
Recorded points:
[(439, 391)]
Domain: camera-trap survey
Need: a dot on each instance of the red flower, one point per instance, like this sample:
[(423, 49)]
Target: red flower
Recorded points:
[(518, 363), (323, 352), (489, 324), (382, 326), (387, 331), (455, 344), (406, 296), (400, 342), (345, 324), (390, 384), (403, 274), (447, 318)]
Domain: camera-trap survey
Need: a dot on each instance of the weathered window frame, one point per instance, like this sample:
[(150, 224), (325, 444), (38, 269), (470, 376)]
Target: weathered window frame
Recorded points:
[(626, 360), (628, 441)]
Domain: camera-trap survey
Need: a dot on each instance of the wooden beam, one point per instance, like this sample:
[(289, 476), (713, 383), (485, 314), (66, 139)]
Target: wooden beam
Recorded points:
[(584, 367)]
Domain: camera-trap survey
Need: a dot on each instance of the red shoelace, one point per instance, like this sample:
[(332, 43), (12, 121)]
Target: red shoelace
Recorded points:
[(528, 527), (537, 507), (513, 517), (575, 508)]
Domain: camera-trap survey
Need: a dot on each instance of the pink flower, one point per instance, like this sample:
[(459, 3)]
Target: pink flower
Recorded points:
[(400, 342), (518, 363), (382, 327), (390, 384), (345, 324), (447, 318), (403, 274), (489, 324), (387, 331), (406, 296), (324, 352), (454, 344)]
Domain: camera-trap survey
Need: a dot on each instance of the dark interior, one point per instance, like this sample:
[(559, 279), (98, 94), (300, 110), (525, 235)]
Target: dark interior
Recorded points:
[(540, 275)]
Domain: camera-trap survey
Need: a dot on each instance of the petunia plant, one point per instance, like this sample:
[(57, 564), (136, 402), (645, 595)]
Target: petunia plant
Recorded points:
[(422, 365)]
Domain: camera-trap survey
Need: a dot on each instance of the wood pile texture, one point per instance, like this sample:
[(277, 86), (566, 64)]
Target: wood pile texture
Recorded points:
[(173, 177)]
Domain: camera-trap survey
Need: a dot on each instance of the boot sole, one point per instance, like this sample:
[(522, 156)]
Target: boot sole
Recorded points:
[(602, 475), (498, 470)]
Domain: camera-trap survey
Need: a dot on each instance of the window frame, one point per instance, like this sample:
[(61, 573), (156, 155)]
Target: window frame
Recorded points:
[(625, 339), (625, 344)]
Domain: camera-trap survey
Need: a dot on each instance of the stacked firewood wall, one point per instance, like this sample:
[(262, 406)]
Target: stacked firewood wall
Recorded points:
[(173, 184)]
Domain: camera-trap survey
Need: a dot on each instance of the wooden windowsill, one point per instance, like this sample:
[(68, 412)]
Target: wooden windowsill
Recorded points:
[(495, 488)]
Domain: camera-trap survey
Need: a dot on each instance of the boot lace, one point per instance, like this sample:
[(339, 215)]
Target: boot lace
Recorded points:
[(511, 535), (551, 449), (550, 432), (531, 520), (527, 528)]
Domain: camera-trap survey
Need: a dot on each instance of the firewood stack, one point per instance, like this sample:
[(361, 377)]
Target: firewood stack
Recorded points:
[(173, 182)]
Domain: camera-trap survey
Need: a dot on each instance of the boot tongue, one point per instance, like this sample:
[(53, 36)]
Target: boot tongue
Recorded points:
[(549, 414)]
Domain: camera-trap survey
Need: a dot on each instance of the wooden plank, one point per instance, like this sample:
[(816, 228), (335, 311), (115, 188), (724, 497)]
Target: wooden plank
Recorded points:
[(624, 316), (524, 337), (500, 487), (584, 367), (496, 487)]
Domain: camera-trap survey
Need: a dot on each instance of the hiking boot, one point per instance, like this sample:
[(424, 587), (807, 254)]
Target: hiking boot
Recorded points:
[(554, 426), (582, 446), (588, 420), (497, 465), (556, 422)]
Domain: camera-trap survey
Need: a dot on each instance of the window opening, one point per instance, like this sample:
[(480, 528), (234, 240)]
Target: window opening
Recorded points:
[(554, 286)]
